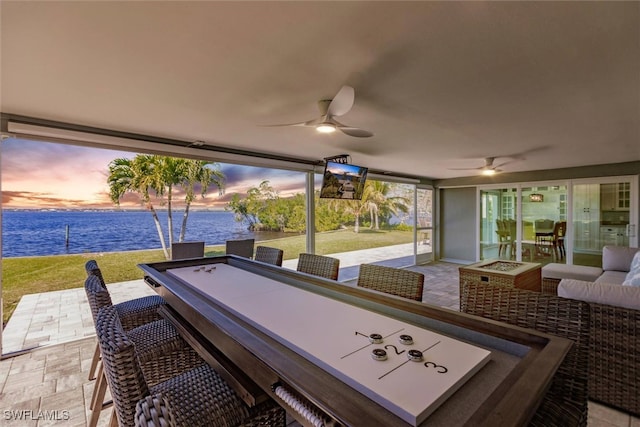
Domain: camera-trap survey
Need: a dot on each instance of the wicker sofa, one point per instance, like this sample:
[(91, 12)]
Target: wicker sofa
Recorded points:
[(616, 261), (614, 365)]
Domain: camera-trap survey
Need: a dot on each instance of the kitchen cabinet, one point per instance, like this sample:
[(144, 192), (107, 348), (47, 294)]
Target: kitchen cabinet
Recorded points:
[(623, 196), (608, 197), (614, 235), (586, 217), (615, 197)]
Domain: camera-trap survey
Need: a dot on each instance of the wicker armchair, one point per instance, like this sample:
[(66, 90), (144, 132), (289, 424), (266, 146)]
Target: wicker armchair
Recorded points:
[(197, 397), (319, 265), (243, 248), (395, 281), (269, 255), (565, 403)]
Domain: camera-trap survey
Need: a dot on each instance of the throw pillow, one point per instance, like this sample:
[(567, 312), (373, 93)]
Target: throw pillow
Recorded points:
[(633, 277)]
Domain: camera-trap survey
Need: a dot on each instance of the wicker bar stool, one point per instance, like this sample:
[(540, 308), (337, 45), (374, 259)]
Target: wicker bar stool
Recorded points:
[(162, 353), (319, 265), (243, 247), (269, 255), (197, 397), (395, 281), (133, 313), (565, 402)]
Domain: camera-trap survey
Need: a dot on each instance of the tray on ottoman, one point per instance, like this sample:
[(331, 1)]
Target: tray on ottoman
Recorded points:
[(521, 275)]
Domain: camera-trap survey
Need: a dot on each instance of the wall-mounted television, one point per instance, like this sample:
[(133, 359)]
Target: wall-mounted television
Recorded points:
[(343, 181)]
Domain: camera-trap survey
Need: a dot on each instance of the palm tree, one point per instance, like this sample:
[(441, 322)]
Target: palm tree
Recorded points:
[(171, 172), (377, 192), (197, 172), (355, 207), (380, 201), (139, 175)]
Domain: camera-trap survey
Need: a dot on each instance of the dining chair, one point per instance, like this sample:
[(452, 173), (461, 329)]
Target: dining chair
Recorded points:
[(269, 255), (196, 397), (319, 265), (504, 238), (559, 232), (243, 247), (186, 250), (565, 402), (395, 281)]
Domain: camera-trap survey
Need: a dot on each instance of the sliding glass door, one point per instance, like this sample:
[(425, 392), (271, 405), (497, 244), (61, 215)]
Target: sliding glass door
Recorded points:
[(603, 214), (562, 222), (524, 223), (498, 220)]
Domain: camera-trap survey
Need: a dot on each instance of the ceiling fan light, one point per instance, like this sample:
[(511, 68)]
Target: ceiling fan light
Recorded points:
[(325, 128), (489, 172)]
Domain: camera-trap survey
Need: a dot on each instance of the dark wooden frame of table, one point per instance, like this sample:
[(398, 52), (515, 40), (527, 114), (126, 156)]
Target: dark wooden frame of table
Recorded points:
[(500, 394)]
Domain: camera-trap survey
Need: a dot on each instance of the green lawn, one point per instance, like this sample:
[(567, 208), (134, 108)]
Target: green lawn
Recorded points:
[(28, 275)]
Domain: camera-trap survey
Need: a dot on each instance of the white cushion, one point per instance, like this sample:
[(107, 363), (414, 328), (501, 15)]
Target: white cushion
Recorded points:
[(601, 293), (617, 257), (578, 272), (633, 277), (613, 277)]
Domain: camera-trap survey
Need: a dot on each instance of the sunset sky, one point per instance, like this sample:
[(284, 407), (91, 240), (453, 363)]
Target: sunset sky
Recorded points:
[(38, 175)]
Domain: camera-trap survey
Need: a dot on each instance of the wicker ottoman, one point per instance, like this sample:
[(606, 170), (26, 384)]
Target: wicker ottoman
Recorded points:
[(553, 273)]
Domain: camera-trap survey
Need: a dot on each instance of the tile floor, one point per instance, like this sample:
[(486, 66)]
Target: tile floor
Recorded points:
[(48, 385)]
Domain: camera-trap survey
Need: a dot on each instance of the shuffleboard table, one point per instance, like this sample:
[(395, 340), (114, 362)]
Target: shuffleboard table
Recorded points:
[(333, 354)]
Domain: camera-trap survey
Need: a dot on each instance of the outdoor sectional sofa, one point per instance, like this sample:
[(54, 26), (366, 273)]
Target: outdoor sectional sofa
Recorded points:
[(614, 350)]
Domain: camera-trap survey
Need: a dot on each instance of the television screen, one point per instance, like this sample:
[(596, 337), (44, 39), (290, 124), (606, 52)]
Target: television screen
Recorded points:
[(343, 181)]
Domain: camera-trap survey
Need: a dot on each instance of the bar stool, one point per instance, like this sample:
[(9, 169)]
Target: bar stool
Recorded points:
[(319, 265), (395, 281), (269, 255), (173, 355), (243, 247), (197, 397), (133, 313)]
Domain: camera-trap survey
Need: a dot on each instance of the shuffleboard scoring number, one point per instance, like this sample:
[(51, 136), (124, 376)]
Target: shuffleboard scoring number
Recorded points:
[(439, 368)]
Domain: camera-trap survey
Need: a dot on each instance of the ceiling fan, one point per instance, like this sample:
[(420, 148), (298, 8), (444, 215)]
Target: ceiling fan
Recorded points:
[(489, 168), (330, 109)]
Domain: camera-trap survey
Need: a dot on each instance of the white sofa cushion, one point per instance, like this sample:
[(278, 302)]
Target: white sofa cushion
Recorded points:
[(578, 272), (633, 277), (602, 293), (617, 257), (613, 277)]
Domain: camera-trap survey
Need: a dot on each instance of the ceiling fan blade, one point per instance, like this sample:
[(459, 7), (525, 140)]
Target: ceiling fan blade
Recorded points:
[(357, 132), (312, 122), (342, 102), (504, 163)]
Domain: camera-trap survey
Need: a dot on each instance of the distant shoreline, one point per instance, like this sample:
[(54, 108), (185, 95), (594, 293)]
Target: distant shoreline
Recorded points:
[(67, 232)]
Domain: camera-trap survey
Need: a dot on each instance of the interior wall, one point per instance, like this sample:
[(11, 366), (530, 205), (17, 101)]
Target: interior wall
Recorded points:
[(458, 224)]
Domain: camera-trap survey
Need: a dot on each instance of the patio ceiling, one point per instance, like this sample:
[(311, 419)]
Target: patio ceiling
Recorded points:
[(442, 85)]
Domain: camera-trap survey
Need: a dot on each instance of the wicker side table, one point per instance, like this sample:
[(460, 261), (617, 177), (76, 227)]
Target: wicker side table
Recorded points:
[(521, 275)]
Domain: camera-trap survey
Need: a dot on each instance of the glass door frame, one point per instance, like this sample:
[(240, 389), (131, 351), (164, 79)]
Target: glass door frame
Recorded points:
[(421, 257), (518, 187), (632, 229), (569, 183)]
